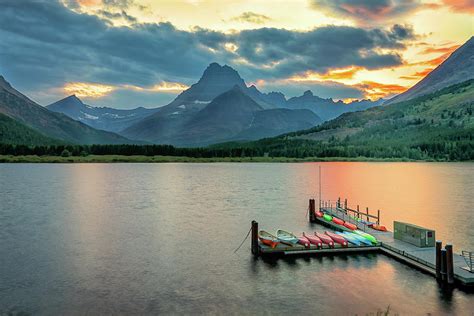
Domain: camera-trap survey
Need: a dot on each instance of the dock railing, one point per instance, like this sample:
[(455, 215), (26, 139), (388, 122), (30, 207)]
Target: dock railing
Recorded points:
[(341, 210), (469, 258)]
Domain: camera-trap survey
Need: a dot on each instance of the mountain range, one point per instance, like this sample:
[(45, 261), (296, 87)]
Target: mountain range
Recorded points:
[(207, 113), (220, 107)]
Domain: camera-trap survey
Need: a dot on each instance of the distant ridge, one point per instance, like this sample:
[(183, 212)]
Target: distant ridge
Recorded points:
[(104, 118), (53, 125)]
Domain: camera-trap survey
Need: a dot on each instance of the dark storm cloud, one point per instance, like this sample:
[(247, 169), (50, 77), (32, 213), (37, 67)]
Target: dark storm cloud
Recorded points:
[(367, 11), (43, 44)]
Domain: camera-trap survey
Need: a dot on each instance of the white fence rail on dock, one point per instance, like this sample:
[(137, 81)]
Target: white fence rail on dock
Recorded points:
[(469, 258)]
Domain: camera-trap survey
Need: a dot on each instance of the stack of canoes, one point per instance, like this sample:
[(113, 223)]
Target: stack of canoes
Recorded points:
[(357, 237)]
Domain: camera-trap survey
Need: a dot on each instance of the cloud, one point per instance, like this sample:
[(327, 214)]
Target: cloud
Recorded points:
[(97, 90), (462, 6), (87, 89), (375, 90), (367, 11), (448, 49), (418, 74), (45, 45), (251, 17)]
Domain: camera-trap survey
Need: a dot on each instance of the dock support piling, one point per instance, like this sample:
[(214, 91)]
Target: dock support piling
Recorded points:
[(439, 244), (345, 204), (449, 264), (367, 210), (443, 265), (378, 217), (312, 210), (254, 238)]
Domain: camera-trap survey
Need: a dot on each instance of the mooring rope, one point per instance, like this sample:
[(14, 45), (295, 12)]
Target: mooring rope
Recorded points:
[(243, 240)]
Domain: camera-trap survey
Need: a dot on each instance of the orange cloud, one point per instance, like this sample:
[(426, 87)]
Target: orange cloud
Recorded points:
[(331, 74), (98, 90), (463, 6), (418, 74), (449, 49), (375, 90), (88, 89)]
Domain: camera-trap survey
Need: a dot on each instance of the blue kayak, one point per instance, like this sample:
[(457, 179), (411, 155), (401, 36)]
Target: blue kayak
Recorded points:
[(348, 236), (363, 240)]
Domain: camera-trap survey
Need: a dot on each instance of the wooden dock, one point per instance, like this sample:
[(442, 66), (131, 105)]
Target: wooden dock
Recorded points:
[(424, 259)]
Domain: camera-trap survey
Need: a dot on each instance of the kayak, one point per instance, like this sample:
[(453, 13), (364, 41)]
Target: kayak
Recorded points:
[(348, 236), (327, 217), (304, 241), (379, 227), (314, 240), (338, 239), (337, 221), (325, 239), (319, 214), (350, 226), (363, 240), (268, 239), (287, 237), (366, 236)]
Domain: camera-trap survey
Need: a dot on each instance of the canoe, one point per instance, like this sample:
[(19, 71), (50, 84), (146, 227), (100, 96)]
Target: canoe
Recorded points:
[(369, 237), (314, 240), (286, 237), (338, 239), (379, 227), (337, 221), (319, 214), (304, 241), (268, 239), (325, 239), (363, 240), (348, 236), (350, 226), (327, 217)]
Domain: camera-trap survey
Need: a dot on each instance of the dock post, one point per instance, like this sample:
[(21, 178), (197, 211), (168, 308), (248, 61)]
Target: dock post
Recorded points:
[(378, 217), (367, 209), (312, 210), (449, 264), (439, 244), (358, 214), (443, 265), (254, 238), (345, 204)]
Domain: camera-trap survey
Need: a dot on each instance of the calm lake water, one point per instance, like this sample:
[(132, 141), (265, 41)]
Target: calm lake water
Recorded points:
[(160, 238)]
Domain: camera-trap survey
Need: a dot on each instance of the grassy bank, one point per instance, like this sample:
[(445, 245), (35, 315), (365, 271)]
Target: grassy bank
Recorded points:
[(164, 159)]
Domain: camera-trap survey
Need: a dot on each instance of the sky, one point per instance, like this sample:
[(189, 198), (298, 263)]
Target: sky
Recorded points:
[(129, 53)]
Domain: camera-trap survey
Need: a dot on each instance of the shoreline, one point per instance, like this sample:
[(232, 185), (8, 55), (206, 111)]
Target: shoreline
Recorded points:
[(170, 159)]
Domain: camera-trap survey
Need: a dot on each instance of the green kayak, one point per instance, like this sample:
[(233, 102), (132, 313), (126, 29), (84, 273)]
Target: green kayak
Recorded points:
[(327, 217), (367, 236)]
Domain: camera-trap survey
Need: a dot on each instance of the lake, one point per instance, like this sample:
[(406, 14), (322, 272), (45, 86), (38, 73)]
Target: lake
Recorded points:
[(160, 238)]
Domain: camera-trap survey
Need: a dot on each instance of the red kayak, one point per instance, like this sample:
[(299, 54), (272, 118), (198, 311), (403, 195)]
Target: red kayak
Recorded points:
[(303, 241), (337, 238), (325, 239), (319, 214), (378, 227), (337, 221), (350, 226), (314, 240)]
